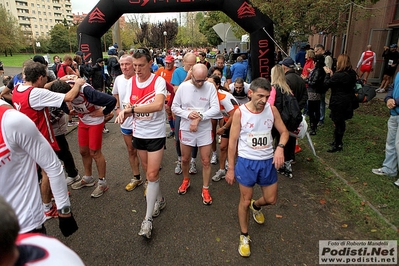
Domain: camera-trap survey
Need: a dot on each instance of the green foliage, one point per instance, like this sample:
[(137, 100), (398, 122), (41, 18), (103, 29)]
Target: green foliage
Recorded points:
[(11, 36), (189, 34), (297, 19), (63, 38)]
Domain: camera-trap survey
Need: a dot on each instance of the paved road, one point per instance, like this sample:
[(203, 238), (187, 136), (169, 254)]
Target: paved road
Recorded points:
[(188, 232)]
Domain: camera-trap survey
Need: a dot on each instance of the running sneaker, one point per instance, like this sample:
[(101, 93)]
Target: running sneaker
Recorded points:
[(257, 215), (220, 174), (84, 183), (171, 134), (396, 183), (105, 130), (178, 169), (206, 197), (219, 139), (288, 169), (226, 165), (73, 124), (193, 168), (100, 189), (145, 188), (244, 248), (71, 180), (214, 159), (379, 171), (184, 186), (146, 227), (133, 184), (52, 213), (159, 205)]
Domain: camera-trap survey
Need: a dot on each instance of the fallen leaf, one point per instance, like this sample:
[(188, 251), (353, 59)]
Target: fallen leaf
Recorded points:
[(322, 201), (364, 183), (134, 211), (344, 226), (279, 216), (373, 230), (217, 239), (294, 205), (363, 203)]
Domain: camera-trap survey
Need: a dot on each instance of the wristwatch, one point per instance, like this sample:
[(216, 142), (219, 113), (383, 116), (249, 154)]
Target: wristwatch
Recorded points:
[(65, 210), (202, 117), (281, 145)]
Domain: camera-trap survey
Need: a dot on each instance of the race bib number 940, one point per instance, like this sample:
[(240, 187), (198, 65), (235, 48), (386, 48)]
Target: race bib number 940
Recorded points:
[(259, 140)]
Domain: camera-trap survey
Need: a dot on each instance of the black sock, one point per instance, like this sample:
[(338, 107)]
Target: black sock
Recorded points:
[(255, 207), (137, 177), (244, 234)]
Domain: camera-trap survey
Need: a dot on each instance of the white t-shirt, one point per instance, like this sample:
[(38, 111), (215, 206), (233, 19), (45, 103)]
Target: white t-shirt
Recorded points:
[(23, 147), (55, 252), (189, 98), (81, 105), (155, 126), (121, 87), (41, 98)]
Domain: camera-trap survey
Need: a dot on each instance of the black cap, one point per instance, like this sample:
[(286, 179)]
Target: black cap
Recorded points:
[(40, 59), (99, 60)]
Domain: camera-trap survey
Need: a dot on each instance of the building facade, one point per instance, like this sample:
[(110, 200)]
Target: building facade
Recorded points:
[(37, 17), (380, 28)]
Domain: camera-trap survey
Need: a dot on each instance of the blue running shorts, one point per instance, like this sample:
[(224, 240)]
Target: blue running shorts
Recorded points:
[(251, 172)]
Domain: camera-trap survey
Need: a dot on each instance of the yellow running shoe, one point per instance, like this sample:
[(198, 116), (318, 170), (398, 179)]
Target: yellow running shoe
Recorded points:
[(244, 249), (133, 184), (258, 215)]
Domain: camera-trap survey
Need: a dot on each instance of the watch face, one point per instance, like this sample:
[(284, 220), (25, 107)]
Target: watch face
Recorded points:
[(65, 210)]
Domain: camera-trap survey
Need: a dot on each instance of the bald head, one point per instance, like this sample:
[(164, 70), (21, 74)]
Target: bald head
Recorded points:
[(189, 60), (199, 75)]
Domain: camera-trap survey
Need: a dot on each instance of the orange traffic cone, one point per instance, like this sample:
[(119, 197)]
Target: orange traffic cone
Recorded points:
[(297, 148)]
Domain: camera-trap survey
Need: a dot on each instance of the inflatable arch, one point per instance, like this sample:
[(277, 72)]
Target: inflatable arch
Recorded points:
[(107, 12)]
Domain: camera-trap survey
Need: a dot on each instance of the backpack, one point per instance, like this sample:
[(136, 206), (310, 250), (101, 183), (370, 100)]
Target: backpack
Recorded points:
[(291, 114), (60, 74)]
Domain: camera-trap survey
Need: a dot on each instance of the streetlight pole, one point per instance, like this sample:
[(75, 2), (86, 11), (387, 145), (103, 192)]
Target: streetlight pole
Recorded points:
[(164, 35)]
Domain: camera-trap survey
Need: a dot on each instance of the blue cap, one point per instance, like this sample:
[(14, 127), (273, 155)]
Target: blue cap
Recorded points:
[(288, 62)]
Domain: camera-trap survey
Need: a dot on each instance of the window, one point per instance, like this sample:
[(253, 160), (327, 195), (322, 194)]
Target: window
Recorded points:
[(39, 12)]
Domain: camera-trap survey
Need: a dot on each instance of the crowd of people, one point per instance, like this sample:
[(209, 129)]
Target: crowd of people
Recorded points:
[(200, 101)]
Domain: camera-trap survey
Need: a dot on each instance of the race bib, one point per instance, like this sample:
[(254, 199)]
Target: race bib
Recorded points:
[(143, 116), (259, 140), (390, 62), (80, 108)]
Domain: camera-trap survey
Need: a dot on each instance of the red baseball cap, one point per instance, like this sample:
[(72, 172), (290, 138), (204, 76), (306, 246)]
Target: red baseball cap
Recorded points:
[(169, 59)]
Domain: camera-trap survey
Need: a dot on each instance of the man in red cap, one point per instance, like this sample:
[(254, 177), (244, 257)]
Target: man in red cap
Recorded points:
[(166, 72)]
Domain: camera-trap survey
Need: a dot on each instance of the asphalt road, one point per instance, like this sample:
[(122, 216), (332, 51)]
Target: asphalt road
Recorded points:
[(188, 232)]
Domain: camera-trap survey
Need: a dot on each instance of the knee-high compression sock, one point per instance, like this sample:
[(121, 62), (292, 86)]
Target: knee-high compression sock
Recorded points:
[(171, 123), (151, 196)]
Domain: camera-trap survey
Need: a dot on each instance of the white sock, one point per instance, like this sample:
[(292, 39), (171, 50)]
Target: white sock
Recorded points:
[(179, 158), (47, 206), (88, 179), (214, 153), (151, 196), (192, 160), (102, 181)]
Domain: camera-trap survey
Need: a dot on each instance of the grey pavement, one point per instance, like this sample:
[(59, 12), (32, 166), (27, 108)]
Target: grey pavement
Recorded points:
[(188, 232)]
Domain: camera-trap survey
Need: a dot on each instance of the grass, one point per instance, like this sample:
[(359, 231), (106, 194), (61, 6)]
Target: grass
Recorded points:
[(16, 60), (364, 144)]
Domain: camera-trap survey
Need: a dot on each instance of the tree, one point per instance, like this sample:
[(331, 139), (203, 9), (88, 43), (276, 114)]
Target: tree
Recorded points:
[(298, 19), (189, 34), (157, 38), (11, 36)]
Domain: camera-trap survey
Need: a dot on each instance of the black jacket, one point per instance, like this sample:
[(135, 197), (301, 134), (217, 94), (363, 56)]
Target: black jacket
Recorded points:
[(97, 77), (342, 94), (316, 80), (298, 87)]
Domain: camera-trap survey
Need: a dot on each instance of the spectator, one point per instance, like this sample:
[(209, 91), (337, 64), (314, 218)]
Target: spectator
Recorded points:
[(98, 76), (239, 69), (391, 59), (300, 56), (309, 64), (202, 60)]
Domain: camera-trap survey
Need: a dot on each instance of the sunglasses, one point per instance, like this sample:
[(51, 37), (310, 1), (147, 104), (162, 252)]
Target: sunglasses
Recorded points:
[(142, 51), (198, 81)]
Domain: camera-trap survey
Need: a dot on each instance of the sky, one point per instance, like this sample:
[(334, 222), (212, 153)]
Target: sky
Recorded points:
[(85, 6)]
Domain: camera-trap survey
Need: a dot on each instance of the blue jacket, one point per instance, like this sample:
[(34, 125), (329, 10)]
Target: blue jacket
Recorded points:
[(238, 70)]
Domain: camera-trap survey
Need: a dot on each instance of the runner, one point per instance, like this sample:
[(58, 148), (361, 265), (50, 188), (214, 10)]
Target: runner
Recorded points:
[(147, 104), (256, 164)]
